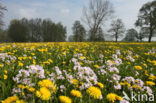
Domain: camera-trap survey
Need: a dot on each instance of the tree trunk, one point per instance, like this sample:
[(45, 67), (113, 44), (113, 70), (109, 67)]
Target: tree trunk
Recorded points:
[(150, 35), (149, 39), (93, 36), (141, 39), (116, 37)]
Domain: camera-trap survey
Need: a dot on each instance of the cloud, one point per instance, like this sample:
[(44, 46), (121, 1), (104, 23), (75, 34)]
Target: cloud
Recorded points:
[(65, 11), (27, 12), (128, 10)]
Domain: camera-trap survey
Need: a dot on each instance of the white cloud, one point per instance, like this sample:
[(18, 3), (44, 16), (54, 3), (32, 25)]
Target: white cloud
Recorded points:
[(65, 11), (37, 4), (27, 12), (128, 10)]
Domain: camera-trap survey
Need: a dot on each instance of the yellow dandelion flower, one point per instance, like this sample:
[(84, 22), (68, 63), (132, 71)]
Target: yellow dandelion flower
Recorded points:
[(10, 99), (125, 83), (38, 94), (82, 58), (150, 83), (138, 67), (44, 93), (154, 62), (145, 65), (20, 64), (119, 98), (50, 60), (69, 70), (34, 62), (31, 89), (136, 86), (21, 86), (75, 81), (49, 84), (48, 72), (65, 99), (81, 63), (76, 93), (152, 77), (32, 53), (45, 83), (5, 76), (100, 85), (5, 71), (94, 92), (96, 66), (112, 97), (146, 73), (30, 57), (1, 65), (20, 101)]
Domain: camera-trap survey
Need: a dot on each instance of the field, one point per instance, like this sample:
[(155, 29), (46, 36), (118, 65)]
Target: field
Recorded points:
[(77, 72)]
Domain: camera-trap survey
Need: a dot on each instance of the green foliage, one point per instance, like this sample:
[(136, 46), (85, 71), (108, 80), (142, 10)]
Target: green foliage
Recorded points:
[(131, 35), (87, 55), (17, 31), (79, 32), (36, 30), (146, 18)]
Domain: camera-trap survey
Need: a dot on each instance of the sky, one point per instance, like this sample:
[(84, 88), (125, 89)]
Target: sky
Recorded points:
[(67, 11)]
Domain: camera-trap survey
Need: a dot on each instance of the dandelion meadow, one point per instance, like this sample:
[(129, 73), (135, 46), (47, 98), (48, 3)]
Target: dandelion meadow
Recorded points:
[(76, 72)]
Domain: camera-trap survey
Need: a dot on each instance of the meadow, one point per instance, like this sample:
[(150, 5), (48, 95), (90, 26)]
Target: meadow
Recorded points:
[(77, 72)]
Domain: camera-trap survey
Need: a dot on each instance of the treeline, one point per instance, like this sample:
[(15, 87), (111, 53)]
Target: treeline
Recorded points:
[(35, 30), (80, 34), (95, 14), (99, 11)]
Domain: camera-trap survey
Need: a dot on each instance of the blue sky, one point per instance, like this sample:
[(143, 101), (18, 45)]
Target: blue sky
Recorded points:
[(67, 11)]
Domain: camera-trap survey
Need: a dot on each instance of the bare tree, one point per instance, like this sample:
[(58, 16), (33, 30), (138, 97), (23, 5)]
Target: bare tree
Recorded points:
[(95, 15), (2, 8), (117, 28)]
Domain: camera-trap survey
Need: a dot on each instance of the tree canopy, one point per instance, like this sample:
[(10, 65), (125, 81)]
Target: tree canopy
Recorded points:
[(131, 35), (79, 32), (147, 18), (117, 28), (36, 30)]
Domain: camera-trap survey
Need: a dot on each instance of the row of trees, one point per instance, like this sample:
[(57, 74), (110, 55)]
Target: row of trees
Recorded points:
[(99, 11), (116, 31), (33, 30), (2, 9), (36, 30), (80, 34), (94, 16), (2, 32), (134, 35)]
